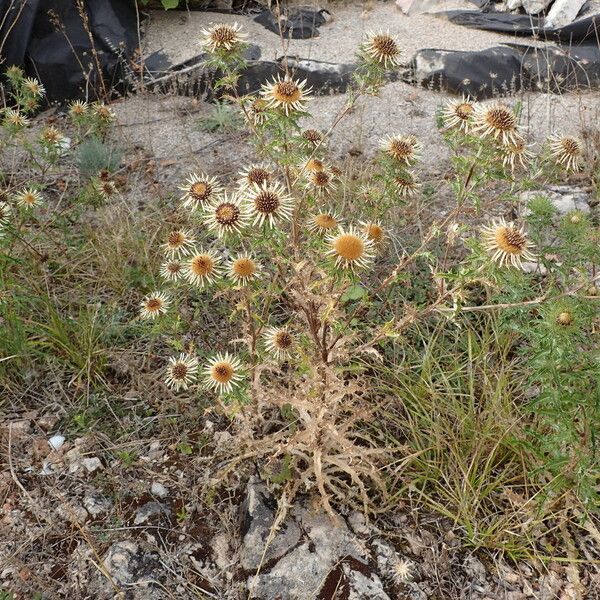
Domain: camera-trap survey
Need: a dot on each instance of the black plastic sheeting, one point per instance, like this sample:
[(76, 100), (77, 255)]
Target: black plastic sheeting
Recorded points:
[(48, 39), (572, 64), (295, 22)]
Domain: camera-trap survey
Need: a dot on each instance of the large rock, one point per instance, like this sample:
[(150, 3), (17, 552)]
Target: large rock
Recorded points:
[(309, 555), (563, 12), (565, 199), (535, 7)]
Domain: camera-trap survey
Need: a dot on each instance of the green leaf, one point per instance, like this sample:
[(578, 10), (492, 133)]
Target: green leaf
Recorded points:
[(354, 292), (170, 4)]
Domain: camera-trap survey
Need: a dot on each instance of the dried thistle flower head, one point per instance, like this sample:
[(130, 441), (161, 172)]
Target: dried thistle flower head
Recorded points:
[(202, 268), (286, 94), (312, 136), (383, 49), (179, 243), (223, 36), (78, 108), (567, 151), (270, 203), (223, 373), (406, 184), (373, 230), (171, 270), (279, 341), (15, 118), (507, 243), (403, 148), (564, 318), (321, 182), (51, 135), (516, 153), (5, 212), (227, 215), (106, 188), (458, 114), (312, 165), (103, 112), (199, 191), (255, 175), (28, 198), (401, 570), (154, 305), (324, 222), (498, 121), (256, 111), (34, 87), (181, 371), (243, 269), (351, 248)]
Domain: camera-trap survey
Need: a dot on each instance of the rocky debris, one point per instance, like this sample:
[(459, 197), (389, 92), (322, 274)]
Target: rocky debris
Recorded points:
[(159, 490), (135, 568), (56, 441), (563, 12), (564, 198), (307, 556), (535, 7), (149, 510), (96, 504)]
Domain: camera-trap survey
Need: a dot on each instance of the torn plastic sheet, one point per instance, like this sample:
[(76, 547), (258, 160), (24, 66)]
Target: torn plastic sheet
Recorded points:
[(294, 22), (504, 70), (48, 39), (584, 30)]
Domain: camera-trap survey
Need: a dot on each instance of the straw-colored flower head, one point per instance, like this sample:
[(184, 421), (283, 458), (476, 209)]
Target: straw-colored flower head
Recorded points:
[(256, 111), (51, 135), (78, 108), (567, 151), (403, 148), (312, 136), (254, 175), (223, 373), (401, 570), (279, 341), (351, 248), (226, 215), (321, 182), (325, 222), (106, 188), (312, 165), (34, 87), (181, 371), (270, 203), (15, 118), (406, 184), (286, 94), (5, 212), (202, 268), (180, 242), (383, 49), (564, 319), (199, 191), (223, 36), (458, 114), (28, 198), (243, 269), (498, 121), (373, 230), (507, 243), (171, 270), (516, 153), (154, 305), (103, 112)]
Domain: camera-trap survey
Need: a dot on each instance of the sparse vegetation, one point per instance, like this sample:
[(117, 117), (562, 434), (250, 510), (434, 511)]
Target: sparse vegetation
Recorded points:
[(348, 355)]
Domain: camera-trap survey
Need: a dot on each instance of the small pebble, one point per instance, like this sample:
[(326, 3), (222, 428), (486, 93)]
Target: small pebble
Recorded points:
[(158, 489), (56, 441)]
